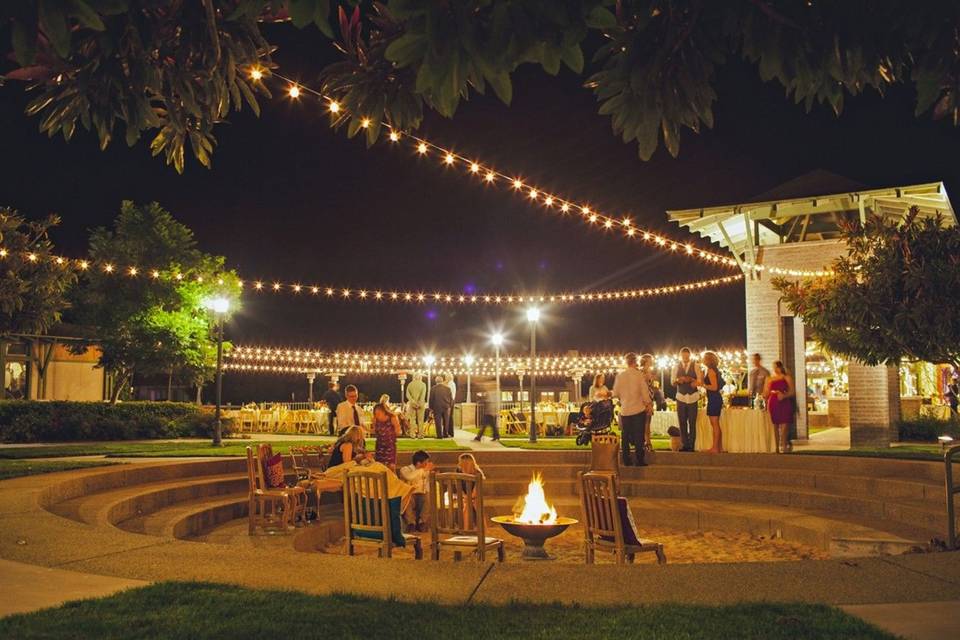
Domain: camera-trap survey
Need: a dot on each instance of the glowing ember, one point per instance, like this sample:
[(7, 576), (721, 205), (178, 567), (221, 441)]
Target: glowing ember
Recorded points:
[(535, 509)]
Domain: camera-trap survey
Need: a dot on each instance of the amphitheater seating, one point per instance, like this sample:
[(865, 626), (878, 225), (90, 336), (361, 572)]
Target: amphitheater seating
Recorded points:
[(849, 506)]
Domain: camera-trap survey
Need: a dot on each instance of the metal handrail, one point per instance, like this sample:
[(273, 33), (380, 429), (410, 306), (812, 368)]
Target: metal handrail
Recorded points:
[(951, 491)]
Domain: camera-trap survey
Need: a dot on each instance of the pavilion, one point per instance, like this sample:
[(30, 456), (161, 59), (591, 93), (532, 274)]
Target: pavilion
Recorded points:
[(795, 227)]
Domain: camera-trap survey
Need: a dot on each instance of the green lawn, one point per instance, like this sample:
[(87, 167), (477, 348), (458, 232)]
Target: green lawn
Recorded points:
[(17, 468), (193, 448), (903, 452), (199, 610), (552, 443)]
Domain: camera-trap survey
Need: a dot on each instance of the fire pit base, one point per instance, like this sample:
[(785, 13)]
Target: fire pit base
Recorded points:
[(533, 535)]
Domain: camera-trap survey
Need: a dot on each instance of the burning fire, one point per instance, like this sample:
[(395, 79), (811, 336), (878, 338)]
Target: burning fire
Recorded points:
[(535, 509)]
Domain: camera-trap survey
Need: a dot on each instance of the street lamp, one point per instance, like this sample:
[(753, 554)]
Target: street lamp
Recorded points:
[(497, 340), (219, 306), (533, 316), (428, 360), (468, 360), (662, 363)]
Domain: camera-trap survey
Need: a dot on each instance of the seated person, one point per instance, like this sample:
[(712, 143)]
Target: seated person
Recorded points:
[(350, 446), (417, 475)]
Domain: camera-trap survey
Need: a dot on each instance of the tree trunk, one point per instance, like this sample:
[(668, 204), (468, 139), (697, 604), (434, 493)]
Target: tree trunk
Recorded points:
[(199, 394), (170, 385), (119, 382)]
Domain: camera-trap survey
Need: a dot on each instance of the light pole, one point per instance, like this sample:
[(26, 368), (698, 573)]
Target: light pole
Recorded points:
[(468, 360), (497, 340), (533, 316), (428, 360), (219, 306)]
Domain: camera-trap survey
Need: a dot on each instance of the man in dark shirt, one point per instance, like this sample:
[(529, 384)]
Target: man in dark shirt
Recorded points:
[(332, 398), (441, 404)]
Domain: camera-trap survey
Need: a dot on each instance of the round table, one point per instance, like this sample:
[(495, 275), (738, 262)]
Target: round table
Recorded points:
[(744, 431)]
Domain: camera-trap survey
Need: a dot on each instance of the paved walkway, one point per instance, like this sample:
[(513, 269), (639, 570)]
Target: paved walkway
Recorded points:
[(28, 587), (913, 620)]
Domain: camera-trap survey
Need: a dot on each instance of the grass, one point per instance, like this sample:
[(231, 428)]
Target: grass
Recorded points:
[(17, 468), (194, 448), (553, 443), (901, 452), (201, 610)]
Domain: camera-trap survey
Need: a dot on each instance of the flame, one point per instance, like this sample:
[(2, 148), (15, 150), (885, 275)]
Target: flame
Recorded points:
[(536, 510)]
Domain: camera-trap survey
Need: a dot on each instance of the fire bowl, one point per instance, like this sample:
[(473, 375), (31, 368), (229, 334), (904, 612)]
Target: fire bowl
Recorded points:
[(533, 535)]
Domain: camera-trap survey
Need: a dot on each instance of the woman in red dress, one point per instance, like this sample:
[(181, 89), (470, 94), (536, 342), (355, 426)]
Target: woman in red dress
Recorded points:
[(779, 394)]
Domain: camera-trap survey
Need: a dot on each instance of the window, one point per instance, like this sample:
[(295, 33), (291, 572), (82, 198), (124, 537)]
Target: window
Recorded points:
[(15, 381)]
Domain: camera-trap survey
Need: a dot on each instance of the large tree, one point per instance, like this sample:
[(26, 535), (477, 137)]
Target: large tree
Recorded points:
[(893, 296), (33, 281), (151, 320), (174, 69)]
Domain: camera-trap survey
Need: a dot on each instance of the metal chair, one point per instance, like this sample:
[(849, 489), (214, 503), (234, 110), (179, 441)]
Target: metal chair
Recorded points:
[(456, 510), (602, 523), (366, 514)]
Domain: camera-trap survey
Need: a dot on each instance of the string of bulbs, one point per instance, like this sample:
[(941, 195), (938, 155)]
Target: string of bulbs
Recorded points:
[(490, 176), (375, 295)]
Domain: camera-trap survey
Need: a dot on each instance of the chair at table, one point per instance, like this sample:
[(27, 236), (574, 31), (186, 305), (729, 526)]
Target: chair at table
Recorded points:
[(303, 466), (516, 422), (456, 511), (247, 420), (366, 514), (270, 508), (607, 520)]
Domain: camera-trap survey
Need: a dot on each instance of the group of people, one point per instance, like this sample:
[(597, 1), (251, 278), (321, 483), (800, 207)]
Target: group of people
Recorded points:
[(639, 395)]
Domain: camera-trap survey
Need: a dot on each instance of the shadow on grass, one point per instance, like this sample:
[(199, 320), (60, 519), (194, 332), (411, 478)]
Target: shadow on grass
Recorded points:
[(202, 610)]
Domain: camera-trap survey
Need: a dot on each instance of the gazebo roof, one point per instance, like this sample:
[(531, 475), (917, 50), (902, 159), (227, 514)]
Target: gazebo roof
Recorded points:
[(794, 212)]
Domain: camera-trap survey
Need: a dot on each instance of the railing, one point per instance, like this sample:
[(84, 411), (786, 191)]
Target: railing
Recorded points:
[(951, 491)]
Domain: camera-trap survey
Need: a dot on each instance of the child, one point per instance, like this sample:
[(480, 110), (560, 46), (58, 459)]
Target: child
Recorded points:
[(417, 476), (466, 463)]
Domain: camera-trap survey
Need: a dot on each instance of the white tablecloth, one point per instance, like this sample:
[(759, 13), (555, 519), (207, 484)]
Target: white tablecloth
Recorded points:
[(744, 431), (663, 420)]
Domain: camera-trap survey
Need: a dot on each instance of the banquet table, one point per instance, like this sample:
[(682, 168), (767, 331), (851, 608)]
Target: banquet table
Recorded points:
[(938, 411), (744, 431)]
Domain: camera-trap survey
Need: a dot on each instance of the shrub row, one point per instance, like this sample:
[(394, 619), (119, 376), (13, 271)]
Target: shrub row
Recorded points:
[(926, 429), (58, 421)]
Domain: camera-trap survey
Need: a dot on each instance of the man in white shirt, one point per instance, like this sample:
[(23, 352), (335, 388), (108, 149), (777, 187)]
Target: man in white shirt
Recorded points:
[(416, 404), (687, 380), (452, 383), (635, 401), (349, 413)]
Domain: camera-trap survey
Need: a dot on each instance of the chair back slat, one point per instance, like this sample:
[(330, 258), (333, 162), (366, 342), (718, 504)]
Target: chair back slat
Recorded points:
[(457, 504), (598, 494), (366, 501), (251, 471)]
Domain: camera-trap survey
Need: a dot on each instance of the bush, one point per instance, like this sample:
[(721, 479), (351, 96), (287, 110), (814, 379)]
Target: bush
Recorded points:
[(926, 429), (31, 421)]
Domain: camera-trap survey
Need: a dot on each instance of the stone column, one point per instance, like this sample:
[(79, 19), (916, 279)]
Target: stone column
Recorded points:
[(874, 404)]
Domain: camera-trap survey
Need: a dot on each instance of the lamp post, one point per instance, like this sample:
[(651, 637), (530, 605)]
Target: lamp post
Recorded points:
[(497, 340), (468, 360), (219, 306), (533, 316), (311, 376), (428, 360)]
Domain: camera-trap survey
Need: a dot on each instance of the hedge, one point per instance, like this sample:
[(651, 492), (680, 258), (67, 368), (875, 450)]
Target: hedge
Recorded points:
[(926, 429), (59, 421)]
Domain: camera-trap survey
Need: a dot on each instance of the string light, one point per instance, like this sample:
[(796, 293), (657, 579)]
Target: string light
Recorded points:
[(284, 360), (294, 91), (534, 194)]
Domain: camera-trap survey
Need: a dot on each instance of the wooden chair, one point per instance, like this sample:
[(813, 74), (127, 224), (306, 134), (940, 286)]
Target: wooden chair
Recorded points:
[(605, 453), (366, 510), (456, 510), (270, 508), (602, 524), (248, 420)]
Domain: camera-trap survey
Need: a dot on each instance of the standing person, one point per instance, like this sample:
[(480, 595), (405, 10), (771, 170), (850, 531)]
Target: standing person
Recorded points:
[(646, 365), (659, 400), (687, 380), (713, 383), (779, 393), (491, 411), (331, 397), (386, 428), (952, 392), (451, 381), (757, 379), (416, 404), (349, 413), (598, 390), (631, 387), (441, 404)]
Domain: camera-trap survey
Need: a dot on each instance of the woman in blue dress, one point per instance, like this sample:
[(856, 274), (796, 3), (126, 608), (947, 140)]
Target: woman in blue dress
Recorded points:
[(713, 383)]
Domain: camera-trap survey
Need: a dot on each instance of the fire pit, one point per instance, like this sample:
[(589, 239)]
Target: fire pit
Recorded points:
[(534, 522)]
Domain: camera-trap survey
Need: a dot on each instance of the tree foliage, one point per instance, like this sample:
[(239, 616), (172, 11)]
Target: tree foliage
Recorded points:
[(174, 67), (158, 326), (33, 286), (892, 296)]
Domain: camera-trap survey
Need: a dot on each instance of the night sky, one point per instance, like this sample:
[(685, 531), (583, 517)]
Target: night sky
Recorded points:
[(290, 199)]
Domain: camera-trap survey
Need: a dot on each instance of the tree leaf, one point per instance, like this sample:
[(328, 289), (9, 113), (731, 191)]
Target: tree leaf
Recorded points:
[(502, 86), (301, 12), (86, 16), (24, 43), (601, 18), (406, 49), (53, 21), (572, 56)]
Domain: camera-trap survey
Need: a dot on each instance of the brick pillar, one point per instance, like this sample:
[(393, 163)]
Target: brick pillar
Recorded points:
[(874, 404)]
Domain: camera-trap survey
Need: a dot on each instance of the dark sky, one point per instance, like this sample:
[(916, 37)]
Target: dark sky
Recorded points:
[(290, 199)]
